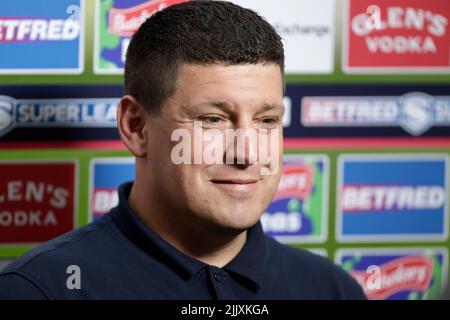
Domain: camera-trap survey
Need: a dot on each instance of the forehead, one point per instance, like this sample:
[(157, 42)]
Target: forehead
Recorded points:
[(247, 82)]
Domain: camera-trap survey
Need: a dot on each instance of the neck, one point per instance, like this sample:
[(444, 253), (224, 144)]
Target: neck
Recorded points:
[(195, 239)]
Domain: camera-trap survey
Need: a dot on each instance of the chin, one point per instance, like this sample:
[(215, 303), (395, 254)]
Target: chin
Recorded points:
[(229, 216), (238, 220), (232, 230)]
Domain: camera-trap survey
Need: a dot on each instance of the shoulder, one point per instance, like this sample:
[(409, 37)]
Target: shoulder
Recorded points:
[(300, 258), (37, 273), (16, 286), (76, 244), (323, 278)]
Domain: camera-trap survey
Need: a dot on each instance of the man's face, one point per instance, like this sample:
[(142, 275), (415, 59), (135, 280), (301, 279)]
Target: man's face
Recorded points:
[(229, 196)]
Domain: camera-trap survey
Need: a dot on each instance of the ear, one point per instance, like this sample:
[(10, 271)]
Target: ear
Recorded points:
[(131, 123)]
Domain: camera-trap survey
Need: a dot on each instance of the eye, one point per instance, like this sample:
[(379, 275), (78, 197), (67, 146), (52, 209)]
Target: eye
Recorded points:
[(211, 119), (270, 120)]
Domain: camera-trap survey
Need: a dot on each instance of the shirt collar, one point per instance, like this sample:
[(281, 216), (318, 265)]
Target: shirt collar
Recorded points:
[(148, 240), (244, 264), (250, 261)]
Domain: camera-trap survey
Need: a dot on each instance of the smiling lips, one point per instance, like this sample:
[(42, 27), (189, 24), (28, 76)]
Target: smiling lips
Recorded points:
[(240, 185)]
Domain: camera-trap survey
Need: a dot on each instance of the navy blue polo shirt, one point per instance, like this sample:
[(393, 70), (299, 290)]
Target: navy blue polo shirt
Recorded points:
[(120, 257)]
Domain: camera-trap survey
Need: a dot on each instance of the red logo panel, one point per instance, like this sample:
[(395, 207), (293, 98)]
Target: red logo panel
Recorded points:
[(397, 35), (37, 201)]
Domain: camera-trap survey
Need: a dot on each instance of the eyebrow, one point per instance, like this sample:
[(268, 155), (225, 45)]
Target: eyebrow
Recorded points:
[(223, 105)]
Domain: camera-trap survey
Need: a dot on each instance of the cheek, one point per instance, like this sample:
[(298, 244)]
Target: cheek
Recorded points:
[(275, 181), (271, 187), (187, 178)]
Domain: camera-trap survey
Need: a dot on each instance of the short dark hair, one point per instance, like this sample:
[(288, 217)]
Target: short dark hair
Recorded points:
[(203, 32)]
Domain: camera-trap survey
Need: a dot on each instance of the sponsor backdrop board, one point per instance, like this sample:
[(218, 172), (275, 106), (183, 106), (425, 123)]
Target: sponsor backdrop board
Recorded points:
[(298, 212), (37, 113), (53, 30), (38, 199), (397, 273), (388, 197), (44, 193), (103, 184), (115, 23), (307, 29), (367, 140), (402, 38)]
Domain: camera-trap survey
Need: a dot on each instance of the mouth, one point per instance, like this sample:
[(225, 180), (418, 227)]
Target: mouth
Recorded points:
[(237, 185)]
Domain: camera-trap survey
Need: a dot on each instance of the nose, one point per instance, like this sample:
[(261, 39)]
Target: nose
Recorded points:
[(241, 145)]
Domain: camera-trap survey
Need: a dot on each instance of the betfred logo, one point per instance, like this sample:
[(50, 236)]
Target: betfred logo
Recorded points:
[(106, 174), (27, 29), (125, 22), (42, 37), (103, 201), (388, 198), (297, 212), (392, 197), (397, 273), (414, 112), (37, 200), (402, 35)]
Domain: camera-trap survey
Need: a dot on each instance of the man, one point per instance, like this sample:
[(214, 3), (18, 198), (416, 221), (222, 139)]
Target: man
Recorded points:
[(190, 230)]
